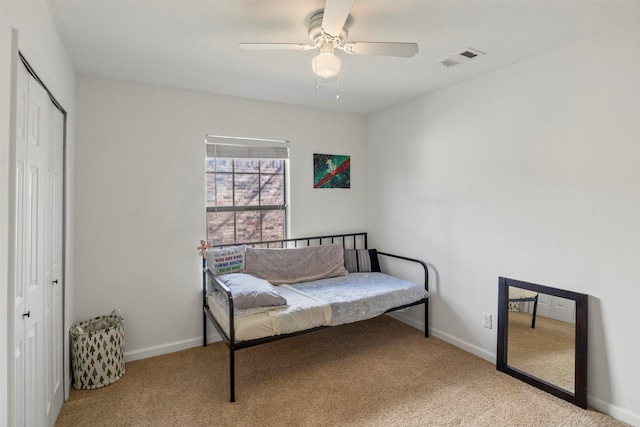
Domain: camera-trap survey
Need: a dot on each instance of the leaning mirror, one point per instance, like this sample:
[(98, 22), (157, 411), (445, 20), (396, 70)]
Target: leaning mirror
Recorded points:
[(542, 338)]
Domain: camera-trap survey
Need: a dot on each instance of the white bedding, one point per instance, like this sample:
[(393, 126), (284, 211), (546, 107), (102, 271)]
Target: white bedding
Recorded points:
[(302, 312), (325, 302)]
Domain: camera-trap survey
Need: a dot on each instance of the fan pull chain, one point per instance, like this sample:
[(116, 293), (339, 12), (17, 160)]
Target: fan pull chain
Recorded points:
[(338, 87), (315, 75)]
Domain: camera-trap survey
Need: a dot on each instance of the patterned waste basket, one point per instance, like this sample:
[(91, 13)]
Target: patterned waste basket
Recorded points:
[(97, 351)]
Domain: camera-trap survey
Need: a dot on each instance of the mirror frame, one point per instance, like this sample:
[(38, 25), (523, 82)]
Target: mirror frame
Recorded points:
[(578, 398)]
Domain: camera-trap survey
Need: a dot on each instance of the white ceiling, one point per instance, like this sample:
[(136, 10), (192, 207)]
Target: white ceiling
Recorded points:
[(194, 44)]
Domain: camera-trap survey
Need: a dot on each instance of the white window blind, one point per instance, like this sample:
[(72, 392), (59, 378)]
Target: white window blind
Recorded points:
[(246, 148)]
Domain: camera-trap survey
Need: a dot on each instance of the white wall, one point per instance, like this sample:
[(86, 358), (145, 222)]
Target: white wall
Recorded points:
[(531, 172), (140, 197), (39, 42)]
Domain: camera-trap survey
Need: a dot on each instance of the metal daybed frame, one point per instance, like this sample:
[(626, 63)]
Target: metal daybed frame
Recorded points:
[(356, 240)]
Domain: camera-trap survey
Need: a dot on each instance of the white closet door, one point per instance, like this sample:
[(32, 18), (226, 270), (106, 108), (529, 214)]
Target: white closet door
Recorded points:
[(17, 392), (37, 207), (544, 305), (555, 308), (33, 260), (563, 309), (55, 390)]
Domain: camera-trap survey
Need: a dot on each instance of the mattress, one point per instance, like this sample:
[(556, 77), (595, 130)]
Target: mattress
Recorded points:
[(326, 302), (302, 312), (361, 296)]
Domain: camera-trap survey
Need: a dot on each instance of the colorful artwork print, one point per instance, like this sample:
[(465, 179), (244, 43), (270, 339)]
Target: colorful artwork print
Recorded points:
[(331, 171)]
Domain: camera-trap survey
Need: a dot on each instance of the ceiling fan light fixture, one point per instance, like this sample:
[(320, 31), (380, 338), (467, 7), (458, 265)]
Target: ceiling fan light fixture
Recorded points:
[(326, 64)]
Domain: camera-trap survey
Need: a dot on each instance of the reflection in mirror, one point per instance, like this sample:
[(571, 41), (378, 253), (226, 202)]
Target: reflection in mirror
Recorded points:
[(542, 338), (546, 350)]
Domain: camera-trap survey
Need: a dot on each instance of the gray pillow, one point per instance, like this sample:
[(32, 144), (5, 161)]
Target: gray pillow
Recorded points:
[(249, 291)]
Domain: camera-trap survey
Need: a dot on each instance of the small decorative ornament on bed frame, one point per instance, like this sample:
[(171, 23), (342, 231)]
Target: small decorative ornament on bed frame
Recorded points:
[(331, 171), (203, 248)]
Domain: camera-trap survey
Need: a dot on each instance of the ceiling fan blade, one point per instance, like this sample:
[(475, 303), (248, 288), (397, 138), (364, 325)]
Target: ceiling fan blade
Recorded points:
[(275, 46), (335, 16), (406, 50)]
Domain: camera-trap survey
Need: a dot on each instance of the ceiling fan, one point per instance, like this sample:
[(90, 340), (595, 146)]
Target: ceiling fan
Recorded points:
[(328, 31)]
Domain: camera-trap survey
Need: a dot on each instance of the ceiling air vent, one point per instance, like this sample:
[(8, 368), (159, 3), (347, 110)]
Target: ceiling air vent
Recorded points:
[(449, 62), (461, 57)]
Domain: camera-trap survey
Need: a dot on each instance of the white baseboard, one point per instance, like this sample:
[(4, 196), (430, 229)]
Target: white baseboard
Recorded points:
[(613, 410), (470, 348), (172, 347), (401, 316)]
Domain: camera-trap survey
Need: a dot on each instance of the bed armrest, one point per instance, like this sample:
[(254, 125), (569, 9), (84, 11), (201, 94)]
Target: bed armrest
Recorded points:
[(422, 263), (224, 288), (218, 284)]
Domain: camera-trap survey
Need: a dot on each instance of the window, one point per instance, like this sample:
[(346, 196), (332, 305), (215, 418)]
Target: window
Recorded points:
[(246, 190)]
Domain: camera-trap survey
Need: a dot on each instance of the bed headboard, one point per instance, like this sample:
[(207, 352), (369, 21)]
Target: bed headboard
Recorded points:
[(348, 241)]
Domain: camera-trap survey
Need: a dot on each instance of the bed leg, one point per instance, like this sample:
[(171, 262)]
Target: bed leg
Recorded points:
[(426, 319), (232, 376), (204, 329)]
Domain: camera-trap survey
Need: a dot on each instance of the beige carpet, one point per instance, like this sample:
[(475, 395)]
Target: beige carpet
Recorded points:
[(374, 373)]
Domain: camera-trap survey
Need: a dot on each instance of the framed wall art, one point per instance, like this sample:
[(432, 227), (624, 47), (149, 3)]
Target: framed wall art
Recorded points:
[(331, 171)]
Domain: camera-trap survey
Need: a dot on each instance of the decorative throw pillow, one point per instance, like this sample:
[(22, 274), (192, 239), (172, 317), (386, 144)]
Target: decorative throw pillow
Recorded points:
[(226, 260), (249, 291), (361, 260)]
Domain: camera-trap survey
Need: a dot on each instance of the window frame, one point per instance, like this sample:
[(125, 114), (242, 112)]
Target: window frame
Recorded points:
[(284, 207)]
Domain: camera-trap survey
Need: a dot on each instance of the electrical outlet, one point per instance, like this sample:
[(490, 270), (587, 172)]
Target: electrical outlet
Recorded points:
[(486, 320)]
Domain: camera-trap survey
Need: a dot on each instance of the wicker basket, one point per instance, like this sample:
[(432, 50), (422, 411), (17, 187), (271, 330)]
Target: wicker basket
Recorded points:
[(97, 351)]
